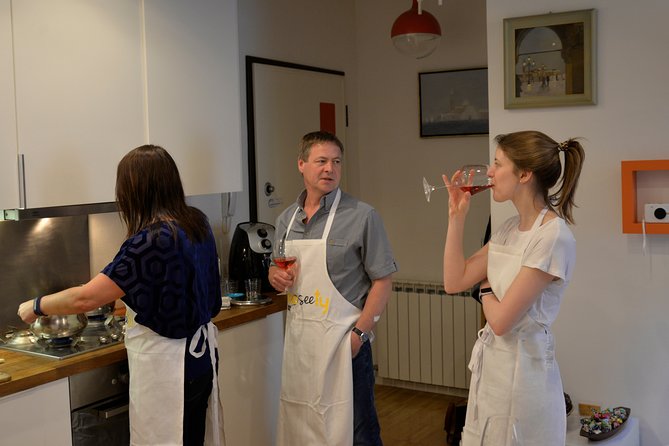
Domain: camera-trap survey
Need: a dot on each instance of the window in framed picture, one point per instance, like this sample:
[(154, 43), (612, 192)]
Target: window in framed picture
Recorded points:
[(454, 102)]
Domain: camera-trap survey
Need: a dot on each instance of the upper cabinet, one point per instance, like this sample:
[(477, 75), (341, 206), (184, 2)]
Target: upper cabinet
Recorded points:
[(9, 183), (84, 82), (79, 96), (192, 60)]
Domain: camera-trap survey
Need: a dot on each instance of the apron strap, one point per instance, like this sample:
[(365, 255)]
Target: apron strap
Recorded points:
[(328, 224), (540, 218), (201, 333)]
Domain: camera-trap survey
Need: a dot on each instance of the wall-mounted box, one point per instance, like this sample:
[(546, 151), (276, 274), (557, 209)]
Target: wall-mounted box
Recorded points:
[(643, 181)]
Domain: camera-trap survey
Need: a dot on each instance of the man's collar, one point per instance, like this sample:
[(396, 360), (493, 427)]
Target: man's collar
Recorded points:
[(326, 200)]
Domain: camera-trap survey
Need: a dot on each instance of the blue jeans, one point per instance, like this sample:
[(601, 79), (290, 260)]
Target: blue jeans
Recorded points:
[(366, 429)]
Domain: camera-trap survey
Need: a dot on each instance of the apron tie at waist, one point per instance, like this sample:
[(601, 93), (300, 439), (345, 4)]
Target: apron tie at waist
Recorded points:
[(201, 333), (485, 337)]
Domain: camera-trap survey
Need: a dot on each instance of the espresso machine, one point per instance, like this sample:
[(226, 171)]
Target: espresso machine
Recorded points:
[(251, 252)]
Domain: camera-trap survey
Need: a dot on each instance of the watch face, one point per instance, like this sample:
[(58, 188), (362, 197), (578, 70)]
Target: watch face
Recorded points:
[(364, 337)]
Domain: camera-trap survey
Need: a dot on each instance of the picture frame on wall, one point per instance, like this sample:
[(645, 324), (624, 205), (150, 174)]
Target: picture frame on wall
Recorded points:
[(549, 60), (454, 102)]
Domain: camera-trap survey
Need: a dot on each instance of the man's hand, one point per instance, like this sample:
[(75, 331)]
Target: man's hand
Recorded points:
[(282, 279)]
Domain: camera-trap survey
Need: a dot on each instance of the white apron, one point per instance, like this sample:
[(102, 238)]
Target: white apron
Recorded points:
[(515, 374), (316, 407), (157, 363)]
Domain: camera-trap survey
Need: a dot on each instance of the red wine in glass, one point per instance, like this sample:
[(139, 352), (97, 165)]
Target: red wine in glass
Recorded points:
[(475, 189), (284, 262)]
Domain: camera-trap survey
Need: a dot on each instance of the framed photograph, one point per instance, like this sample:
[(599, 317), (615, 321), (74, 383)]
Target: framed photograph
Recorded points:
[(454, 102), (549, 60)]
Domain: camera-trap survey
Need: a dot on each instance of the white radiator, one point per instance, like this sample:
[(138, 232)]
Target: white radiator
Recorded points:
[(426, 336)]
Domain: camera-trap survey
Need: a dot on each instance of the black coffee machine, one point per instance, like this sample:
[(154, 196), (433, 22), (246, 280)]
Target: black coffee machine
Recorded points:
[(250, 252)]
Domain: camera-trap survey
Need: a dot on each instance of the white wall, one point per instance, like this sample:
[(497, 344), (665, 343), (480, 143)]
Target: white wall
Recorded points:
[(386, 158), (612, 329), (393, 156)]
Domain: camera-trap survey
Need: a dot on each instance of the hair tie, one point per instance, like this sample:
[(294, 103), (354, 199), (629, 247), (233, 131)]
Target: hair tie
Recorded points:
[(563, 146)]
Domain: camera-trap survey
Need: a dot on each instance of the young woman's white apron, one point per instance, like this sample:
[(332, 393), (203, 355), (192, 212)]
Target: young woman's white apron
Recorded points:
[(515, 374), (156, 366), (316, 407)]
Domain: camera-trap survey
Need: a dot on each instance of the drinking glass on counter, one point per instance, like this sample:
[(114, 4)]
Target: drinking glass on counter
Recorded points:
[(230, 288), (252, 287)]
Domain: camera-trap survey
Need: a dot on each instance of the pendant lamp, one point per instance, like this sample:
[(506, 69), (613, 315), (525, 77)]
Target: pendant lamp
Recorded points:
[(416, 32)]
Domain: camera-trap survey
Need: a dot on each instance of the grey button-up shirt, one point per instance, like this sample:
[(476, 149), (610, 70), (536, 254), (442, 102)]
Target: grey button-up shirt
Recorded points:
[(358, 250)]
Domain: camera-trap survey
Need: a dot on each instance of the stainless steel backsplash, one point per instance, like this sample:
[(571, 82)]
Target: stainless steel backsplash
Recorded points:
[(40, 257)]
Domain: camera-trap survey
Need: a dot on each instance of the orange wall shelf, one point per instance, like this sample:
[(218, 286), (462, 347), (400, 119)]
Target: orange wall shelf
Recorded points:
[(631, 222)]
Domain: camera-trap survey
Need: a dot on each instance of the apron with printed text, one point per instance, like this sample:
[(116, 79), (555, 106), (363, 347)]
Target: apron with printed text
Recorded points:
[(316, 407), (515, 374), (156, 365)]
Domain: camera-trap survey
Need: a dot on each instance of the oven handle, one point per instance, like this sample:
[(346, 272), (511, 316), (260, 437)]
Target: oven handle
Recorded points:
[(108, 413)]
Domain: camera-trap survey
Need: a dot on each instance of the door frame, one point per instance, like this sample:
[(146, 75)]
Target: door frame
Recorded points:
[(250, 119)]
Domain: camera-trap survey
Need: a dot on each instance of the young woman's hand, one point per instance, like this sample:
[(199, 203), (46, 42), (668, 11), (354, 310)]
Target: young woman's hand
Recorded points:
[(458, 200)]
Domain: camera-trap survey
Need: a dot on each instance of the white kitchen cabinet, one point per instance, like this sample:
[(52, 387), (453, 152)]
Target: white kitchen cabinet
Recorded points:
[(250, 379), (192, 56), (9, 189), (36, 416), (79, 95), (82, 82)]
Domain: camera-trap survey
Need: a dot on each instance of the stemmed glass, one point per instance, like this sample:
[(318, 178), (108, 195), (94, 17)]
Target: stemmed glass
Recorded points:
[(473, 179), (282, 257), (501, 430)]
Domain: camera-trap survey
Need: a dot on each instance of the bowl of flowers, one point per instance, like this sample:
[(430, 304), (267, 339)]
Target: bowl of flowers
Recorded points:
[(604, 424)]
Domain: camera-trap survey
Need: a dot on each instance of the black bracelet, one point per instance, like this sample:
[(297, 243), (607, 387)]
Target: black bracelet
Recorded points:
[(485, 291), (36, 306)]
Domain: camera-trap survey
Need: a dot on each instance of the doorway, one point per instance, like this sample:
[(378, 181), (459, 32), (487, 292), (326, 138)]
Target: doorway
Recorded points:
[(284, 102)]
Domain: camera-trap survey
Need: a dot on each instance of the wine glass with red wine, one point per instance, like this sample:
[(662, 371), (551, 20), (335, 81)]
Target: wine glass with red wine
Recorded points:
[(473, 179), (282, 257)]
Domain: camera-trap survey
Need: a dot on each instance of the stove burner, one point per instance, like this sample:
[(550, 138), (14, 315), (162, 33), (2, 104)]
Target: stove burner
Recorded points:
[(59, 342), (19, 337)]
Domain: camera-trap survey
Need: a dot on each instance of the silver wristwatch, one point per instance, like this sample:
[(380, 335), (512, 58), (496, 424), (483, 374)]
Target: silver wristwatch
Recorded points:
[(364, 336)]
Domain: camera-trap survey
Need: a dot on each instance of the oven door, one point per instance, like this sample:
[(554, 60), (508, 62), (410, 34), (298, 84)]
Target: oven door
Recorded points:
[(99, 406), (102, 424)]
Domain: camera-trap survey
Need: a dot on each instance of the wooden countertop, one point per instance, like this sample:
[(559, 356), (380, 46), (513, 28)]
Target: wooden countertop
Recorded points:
[(28, 371)]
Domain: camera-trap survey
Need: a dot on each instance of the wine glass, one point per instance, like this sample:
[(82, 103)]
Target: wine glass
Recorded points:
[(501, 430), (281, 256), (473, 179)]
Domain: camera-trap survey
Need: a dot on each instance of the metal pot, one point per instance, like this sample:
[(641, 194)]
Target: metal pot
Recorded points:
[(55, 327), (103, 311)]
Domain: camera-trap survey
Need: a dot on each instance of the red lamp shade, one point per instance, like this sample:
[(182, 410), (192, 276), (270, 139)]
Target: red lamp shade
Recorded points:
[(416, 34)]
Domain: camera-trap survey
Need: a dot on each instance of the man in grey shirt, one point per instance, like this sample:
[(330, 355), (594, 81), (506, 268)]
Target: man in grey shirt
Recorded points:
[(343, 280)]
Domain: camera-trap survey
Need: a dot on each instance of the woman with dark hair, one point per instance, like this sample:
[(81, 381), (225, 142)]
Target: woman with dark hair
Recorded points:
[(525, 268), (166, 273)]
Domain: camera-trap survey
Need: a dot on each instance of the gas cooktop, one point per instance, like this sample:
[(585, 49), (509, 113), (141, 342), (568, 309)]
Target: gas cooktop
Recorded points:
[(97, 335), (41, 348)]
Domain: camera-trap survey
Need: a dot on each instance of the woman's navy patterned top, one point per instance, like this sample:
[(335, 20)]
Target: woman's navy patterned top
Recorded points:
[(172, 284)]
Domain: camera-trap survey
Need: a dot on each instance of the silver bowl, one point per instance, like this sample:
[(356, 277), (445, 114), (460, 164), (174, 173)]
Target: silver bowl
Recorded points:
[(103, 311), (55, 327)]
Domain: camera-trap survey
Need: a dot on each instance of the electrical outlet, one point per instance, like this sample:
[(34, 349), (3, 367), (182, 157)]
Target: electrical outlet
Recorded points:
[(585, 410)]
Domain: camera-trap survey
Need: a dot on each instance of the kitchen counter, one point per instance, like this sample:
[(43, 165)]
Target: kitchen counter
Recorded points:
[(28, 371)]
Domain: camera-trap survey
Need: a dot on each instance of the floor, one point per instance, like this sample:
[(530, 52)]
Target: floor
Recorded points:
[(410, 417)]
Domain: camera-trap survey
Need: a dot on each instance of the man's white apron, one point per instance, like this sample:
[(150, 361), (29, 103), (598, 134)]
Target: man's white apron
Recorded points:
[(316, 407), (515, 374), (156, 365)]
